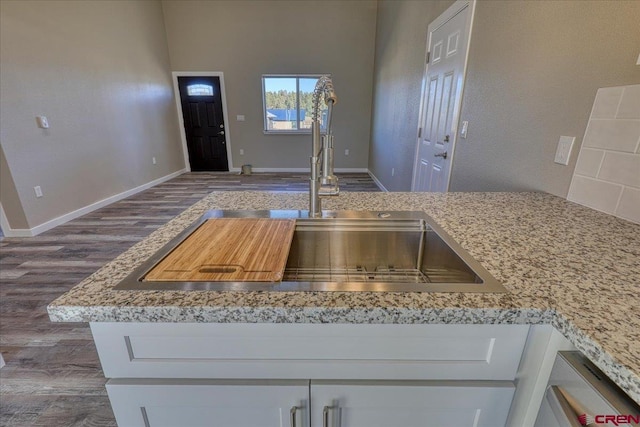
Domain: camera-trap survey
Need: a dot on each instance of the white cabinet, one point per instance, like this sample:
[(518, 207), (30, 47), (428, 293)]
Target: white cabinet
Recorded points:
[(410, 403), (315, 351), (236, 375), (195, 403), (199, 403)]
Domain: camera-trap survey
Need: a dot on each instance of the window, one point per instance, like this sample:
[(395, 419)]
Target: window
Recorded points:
[(288, 105), (199, 90)]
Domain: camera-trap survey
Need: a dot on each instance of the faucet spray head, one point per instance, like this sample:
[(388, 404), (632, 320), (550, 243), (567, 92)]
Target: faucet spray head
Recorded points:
[(329, 94)]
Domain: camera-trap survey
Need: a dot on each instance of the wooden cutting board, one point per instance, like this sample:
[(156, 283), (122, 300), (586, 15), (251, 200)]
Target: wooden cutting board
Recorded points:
[(229, 249)]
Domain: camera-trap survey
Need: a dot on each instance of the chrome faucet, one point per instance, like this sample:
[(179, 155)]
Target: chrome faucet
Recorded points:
[(322, 181)]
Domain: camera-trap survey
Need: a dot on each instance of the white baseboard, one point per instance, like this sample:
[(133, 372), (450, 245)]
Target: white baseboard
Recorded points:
[(294, 170), (9, 232), (377, 181), (352, 170), (301, 170), (17, 232)]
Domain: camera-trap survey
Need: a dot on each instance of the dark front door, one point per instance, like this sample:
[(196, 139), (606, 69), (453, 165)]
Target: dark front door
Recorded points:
[(203, 123)]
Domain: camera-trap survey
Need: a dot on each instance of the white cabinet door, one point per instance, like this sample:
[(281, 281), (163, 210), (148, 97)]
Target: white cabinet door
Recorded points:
[(199, 403), (246, 403), (410, 403)]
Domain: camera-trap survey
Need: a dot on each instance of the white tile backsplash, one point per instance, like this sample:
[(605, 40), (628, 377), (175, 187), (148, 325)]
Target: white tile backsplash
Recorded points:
[(606, 104), (589, 161), (621, 168), (596, 194), (613, 134), (607, 174), (629, 107), (629, 207)]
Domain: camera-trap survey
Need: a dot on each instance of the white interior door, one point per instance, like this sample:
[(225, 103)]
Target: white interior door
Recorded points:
[(448, 41)]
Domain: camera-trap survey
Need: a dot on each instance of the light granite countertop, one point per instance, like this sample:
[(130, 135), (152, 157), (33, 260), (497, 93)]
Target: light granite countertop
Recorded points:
[(563, 264)]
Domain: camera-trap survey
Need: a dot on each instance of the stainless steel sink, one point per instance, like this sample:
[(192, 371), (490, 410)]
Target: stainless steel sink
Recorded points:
[(350, 251)]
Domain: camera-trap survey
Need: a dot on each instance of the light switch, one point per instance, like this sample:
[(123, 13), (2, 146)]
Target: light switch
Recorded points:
[(463, 130), (564, 149), (42, 121), (240, 118)]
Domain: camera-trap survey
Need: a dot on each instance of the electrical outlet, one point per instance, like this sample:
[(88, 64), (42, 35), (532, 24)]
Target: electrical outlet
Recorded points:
[(563, 151), (153, 160), (346, 152), (38, 191), (393, 171), (242, 152)]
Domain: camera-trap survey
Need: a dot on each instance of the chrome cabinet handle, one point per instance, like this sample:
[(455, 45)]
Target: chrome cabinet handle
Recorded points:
[(221, 132), (292, 413), (443, 155), (325, 416)]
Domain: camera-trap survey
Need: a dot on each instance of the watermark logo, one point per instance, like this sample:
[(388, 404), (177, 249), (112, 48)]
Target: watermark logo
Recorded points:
[(586, 419), (607, 420)]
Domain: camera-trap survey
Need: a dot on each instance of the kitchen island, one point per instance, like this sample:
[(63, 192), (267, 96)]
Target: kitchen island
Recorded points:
[(563, 264)]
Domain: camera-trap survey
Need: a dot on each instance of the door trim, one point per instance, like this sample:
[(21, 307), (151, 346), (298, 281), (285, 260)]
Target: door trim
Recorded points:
[(452, 11), (183, 136)]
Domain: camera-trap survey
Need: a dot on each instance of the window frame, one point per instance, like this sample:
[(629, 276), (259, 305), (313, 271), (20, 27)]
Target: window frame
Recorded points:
[(297, 131)]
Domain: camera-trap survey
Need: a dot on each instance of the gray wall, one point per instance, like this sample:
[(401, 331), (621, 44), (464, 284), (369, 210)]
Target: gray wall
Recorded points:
[(10, 201), (400, 55), (534, 68), (247, 39), (100, 73)]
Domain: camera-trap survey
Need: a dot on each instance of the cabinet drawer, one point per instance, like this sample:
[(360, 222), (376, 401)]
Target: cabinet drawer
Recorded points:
[(317, 351)]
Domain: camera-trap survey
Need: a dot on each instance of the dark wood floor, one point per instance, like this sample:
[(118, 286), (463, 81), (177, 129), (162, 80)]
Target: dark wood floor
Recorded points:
[(52, 375)]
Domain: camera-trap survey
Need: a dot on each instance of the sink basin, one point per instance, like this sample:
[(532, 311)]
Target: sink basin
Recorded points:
[(349, 251)]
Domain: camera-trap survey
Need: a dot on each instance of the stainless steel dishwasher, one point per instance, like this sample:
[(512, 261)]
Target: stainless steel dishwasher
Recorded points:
[(579, 394)]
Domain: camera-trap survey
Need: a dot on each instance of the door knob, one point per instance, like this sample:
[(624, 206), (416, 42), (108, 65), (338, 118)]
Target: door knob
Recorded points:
[(443, 155)]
